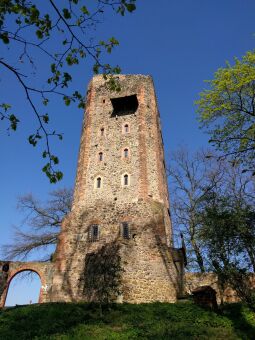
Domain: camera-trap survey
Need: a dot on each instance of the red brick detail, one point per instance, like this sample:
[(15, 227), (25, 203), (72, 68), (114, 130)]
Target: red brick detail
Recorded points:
[(143, 176), (159, 151), (60, 252), (84, 152)]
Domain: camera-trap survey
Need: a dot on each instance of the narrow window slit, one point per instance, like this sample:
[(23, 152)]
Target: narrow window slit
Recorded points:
[(125, 179), (99, 182), (94, 233), (125, 230)]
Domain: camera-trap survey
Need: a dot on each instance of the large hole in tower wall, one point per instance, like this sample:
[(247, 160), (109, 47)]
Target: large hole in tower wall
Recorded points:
[(124, 105)]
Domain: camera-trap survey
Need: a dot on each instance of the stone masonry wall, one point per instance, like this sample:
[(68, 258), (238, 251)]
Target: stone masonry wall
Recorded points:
[(151, 269), (150, 272), (145, 163), (195, 280)]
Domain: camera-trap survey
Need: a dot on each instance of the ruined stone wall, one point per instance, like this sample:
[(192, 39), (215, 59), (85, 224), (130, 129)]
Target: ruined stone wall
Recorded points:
[(195, 280), (8, 270)]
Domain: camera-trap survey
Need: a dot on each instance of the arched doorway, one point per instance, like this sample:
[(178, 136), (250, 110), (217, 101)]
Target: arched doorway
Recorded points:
[(24, 287)]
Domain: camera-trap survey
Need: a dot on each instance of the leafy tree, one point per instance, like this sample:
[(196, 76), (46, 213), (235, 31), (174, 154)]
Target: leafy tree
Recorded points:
[(58, 34), (41, 225), (227, 110), (228, 233)]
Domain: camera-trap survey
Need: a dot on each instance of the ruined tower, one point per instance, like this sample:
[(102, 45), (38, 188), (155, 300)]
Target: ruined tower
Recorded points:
[(120, 210), (121, 197)]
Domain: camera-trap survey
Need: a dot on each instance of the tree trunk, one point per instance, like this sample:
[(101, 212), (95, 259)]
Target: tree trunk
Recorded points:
[(198, 254)]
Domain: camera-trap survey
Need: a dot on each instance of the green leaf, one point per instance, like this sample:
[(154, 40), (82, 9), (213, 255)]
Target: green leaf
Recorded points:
[(39, 34), (114, 41), (45, 101), (130, 7), (67, 100), (45, 118), (44, 154), (66, 13), (14, 121), (5, 106), (4, 37), (32, 140), (53, 67), (54, 159), (84, 10), (59, 175), (96, 68)]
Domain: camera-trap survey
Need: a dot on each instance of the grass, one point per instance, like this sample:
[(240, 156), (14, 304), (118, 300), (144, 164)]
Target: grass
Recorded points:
[(145, 321)]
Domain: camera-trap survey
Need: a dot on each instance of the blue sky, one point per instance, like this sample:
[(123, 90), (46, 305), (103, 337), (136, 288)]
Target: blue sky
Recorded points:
[(179, 42)]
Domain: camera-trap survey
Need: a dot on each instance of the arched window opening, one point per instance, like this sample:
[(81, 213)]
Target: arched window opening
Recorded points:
[(125, 230), (126, 153), (126, 128), (24, 289), (126, 179), (102, 132), (100, 156), (94, 233), (99, 182)]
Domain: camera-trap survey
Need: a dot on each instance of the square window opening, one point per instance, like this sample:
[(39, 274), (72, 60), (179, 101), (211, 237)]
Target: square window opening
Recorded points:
[(124, 105), (94, 233)]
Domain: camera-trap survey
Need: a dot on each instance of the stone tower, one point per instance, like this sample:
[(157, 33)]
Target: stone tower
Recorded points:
[(120, 215), (120, 198)]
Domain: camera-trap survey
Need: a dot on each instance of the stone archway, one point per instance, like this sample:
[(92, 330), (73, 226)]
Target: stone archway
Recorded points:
[(43, 270), (23, 287)]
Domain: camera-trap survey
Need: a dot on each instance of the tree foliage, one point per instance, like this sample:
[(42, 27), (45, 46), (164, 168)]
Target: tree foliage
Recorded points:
[(228, 234), (227, 110), (41, 225), (58, 34)]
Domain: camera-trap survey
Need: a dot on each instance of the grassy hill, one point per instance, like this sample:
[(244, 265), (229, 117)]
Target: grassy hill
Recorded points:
[(144, 321)]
